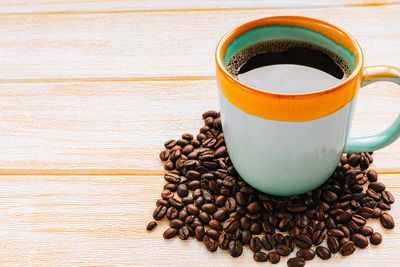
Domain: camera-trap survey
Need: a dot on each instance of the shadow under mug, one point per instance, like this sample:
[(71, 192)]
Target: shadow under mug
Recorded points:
[(287, 144)]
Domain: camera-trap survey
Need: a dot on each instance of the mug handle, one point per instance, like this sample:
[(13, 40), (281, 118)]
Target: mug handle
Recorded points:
[(388, 136)]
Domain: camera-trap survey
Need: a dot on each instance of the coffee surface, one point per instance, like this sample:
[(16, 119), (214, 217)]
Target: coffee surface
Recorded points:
[(288, 67)]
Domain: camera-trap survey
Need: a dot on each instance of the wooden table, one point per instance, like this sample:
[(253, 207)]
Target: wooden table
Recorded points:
[(91, 89)]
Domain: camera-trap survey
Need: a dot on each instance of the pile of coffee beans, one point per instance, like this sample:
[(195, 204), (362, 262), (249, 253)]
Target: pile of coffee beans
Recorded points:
[(205, 198)]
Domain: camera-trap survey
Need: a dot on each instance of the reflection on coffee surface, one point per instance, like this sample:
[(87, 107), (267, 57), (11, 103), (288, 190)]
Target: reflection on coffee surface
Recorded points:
[(288, 67)]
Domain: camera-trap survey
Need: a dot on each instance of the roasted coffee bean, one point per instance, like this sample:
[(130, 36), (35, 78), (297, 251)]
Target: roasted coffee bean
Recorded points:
[(220, 215), (171, 177), (343, 217), (260, 256), (283, 250), (162, 202), (245, 223), (336, 233), (216, 225), (323, 252), (387, 197), (172, 213), (301, 220), (182, 142), (170, 187), (183, 233), (377, 212), (214, 234), (371, 193), (296, 262), (377, 186), (360, 240), (187, 200), (372, 176), (387, 221), (255, 228), (366, 230), (151, 225), (235, 248), (268, 242), (376, 238), (220, 201), (199, 232), (347, 248), (329, 197), (354, 159), (167, 194), (383, 206), (192, 209), (210, 243), (182, 215), (194, 185), (274, 257), (176, 203), (183, 190), (187, 149), (192, 175), (164, 155), (294, 231), (306, 253), (159, 212), (223, 240), (255, 244), (365, 212), (303, 241), (176, 223), (240, 198), (170, 233), (284, 224), (170, 144), (208, 196), (318, 237), (187, 136), (231, 225), (210, 113), (358, 219), (279, 238), (246, 236), (333, 244), (230, 204), (204, 217), (209, 208), (343, 241), (237, 235)]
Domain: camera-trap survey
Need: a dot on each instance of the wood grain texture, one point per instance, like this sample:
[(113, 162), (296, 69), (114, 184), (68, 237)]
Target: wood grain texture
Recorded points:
[(123, 125), (168, 44), (88, 221), (107, 6)]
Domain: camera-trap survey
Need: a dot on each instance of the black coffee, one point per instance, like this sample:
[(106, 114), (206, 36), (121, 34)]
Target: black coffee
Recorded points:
[(289, 67)]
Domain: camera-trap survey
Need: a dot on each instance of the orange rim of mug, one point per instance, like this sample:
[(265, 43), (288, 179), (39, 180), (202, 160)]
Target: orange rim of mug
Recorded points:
[(290, 107)]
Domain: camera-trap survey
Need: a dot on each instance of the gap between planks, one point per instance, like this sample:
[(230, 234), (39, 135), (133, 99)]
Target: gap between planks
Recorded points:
[(113, 172), (196, 9)]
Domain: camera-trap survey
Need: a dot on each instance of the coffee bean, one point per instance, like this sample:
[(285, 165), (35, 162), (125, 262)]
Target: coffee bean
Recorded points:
[(230, 204), (172, 213), (182, 215), (366, 230), (268, 242), (376, 238), (344, 217), (296, 262), (246, 236), (371, 193), (354, 159), (210, 243), (306, 253), (318, 237), (214, 234), (329, 196), (336, 233), (260, 256), (183, 233), (231, 225), (220, 201), (235, 248), (347, 248), (209, 208), (365, 212), (376, 212), (194, 185), (333, 244), (283, 250), (170, 233), (274, 257), (199, 233), (176, 203), (171, 177), (187, 200), (254, 207), (162, 202), (210, 113), (358, 219), (176, 223), (182, 190), (387, 221), (192, 175), (164, 155), (360, 240), (255, 228), (151, 225), (220, 215), (170, 144), (216, 225), (343, 241), (377, 186), (159, 212), (323, 252), (167, 194), (387, 197), (303, 241), (255, 244), (372, 176), (204, 217), (237, 235)]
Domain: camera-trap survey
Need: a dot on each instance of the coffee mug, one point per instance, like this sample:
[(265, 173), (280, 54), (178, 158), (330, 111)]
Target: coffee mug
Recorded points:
[(287, 144)]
